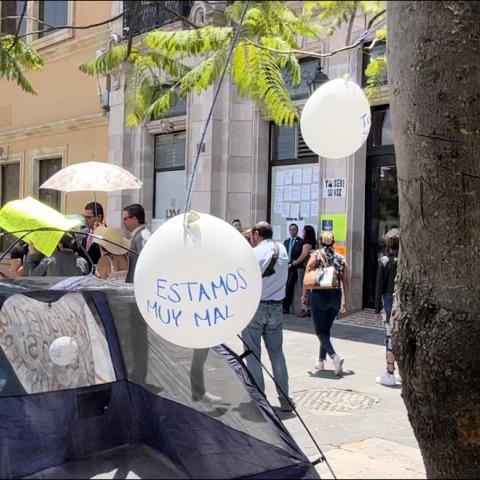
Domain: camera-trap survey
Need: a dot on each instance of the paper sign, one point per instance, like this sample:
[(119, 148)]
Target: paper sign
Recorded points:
[(30, 214), (295, 210), (316, 174), (287, 193), (288, 177), (297, 176), (285, 210), (305, 209), (334, 187), (305, 192), (314, 191), (314, 209), (341, 250), (278, 206), (280, 177), (277, 232), (296, 193), (307, 175), (336, 223)]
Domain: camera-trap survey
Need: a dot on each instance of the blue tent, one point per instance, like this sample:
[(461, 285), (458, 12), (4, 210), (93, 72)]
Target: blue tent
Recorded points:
[(130, 401)]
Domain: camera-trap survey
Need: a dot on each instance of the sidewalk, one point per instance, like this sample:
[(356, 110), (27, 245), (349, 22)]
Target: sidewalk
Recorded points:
[(361, 427)]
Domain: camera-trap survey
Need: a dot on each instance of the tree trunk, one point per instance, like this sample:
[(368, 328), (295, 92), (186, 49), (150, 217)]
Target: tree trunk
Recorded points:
[(434, 69)]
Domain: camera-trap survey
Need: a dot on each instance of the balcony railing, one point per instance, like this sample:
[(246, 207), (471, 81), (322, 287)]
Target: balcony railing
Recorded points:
[(149, 15)]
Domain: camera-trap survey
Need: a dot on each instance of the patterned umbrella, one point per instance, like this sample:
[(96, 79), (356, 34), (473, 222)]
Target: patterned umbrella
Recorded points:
[(91, 177)]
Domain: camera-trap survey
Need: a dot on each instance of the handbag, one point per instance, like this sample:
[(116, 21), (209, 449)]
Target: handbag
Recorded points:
[(322, 277)]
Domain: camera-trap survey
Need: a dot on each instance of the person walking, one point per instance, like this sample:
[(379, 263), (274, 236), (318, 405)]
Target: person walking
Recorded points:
[(267, 322), (293, 245), (133, 218), (326, 303), (309, 243), (386, 273)]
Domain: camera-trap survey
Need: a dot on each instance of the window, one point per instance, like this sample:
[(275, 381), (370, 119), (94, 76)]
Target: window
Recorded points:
[(378, 50), (287, 145), (294, 181), (308, 67), (381, 131), (169, 175), (179, 106), (10, 182), (46, 168), (53, 13), (12, 9)]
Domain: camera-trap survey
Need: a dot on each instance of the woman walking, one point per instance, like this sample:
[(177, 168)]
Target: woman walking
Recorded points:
[(327, 298)]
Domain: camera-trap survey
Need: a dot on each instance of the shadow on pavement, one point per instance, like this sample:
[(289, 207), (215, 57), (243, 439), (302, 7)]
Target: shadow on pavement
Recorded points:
[(353, 333), (330, 374)]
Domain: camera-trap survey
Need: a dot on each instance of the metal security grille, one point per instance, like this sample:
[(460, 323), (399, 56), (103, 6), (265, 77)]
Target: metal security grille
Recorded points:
[(151, 14)]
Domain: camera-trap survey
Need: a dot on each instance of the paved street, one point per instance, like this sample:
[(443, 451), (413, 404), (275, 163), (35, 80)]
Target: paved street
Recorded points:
[(361, 427)]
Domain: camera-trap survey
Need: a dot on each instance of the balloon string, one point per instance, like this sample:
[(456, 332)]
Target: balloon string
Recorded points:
[(210, 114)]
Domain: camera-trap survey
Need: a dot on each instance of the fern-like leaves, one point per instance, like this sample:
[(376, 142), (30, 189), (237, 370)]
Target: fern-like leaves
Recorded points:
[(15, 54)]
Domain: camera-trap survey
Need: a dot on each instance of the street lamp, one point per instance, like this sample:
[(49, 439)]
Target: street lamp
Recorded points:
[(318, 79)]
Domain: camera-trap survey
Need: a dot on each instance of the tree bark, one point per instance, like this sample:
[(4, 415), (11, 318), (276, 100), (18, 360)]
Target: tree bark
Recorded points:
[(434, 70)]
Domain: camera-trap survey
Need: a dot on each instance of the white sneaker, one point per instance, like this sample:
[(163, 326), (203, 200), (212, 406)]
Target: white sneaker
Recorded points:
[(319, 365), (387, 379), (207, 398), (337, 365)]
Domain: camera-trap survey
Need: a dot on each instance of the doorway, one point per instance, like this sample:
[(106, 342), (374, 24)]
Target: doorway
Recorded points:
[(381, 198)]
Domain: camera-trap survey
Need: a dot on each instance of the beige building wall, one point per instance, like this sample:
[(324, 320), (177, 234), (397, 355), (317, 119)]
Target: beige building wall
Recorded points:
[(64, 119)]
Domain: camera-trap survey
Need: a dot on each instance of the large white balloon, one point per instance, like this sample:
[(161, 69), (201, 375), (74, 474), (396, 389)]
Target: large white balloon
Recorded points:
[(336, 119), (197, 290), (63, 351)]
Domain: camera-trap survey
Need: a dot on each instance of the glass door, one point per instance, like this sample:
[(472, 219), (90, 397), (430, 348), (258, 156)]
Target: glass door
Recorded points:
[(381, 215)]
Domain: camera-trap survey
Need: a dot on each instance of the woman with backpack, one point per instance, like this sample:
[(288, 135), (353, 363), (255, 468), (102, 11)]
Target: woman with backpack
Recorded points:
[(325, 275)]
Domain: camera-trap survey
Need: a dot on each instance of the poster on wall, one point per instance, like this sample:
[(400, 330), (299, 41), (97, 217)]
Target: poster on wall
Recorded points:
[(295, 197), (334, 187), (336, 223)]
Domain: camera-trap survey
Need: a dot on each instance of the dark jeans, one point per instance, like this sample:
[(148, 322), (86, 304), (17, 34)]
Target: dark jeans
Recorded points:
[(325, 305), (387, 306), (291, 281)]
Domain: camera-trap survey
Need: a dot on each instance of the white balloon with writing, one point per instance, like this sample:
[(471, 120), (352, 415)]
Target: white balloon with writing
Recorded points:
[(197, 290), (336, 119), (63, 351)]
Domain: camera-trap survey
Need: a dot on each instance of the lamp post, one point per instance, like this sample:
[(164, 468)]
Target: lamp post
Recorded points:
[(318, 79)]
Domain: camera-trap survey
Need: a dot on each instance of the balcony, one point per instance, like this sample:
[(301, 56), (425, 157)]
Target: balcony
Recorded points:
[(152, 14)]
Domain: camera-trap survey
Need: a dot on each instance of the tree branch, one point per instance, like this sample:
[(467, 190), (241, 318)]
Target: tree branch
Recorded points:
[(72, 27), (379, 14), (350, 22), (24, 11), (305, 52)]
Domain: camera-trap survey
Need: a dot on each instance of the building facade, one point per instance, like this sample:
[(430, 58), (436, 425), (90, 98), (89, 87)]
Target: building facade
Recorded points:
[(252, 170), (65, 123)]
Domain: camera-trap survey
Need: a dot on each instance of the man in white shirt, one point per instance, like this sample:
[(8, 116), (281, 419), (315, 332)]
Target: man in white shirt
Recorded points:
[(268, 320)]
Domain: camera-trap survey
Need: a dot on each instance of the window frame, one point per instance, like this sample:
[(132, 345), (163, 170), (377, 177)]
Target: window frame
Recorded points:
[(168, 169), (36, 156)]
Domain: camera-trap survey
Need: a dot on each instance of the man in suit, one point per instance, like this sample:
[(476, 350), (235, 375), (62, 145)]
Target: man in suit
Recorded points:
[(93, 216), (133, 218), (294, 246)]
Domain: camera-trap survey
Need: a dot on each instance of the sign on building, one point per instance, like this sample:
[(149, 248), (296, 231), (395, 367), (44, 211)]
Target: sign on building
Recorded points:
[(334, 187)]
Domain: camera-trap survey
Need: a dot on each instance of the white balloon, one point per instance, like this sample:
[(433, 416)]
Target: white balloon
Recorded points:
[(63, 351), (197, 291), (336, 119)]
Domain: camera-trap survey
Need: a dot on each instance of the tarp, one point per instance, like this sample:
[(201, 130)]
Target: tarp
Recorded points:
[(146, 396)]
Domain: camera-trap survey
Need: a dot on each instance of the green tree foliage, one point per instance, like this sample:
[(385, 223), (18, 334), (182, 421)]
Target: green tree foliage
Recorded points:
[(16, 55), (257, 72)]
